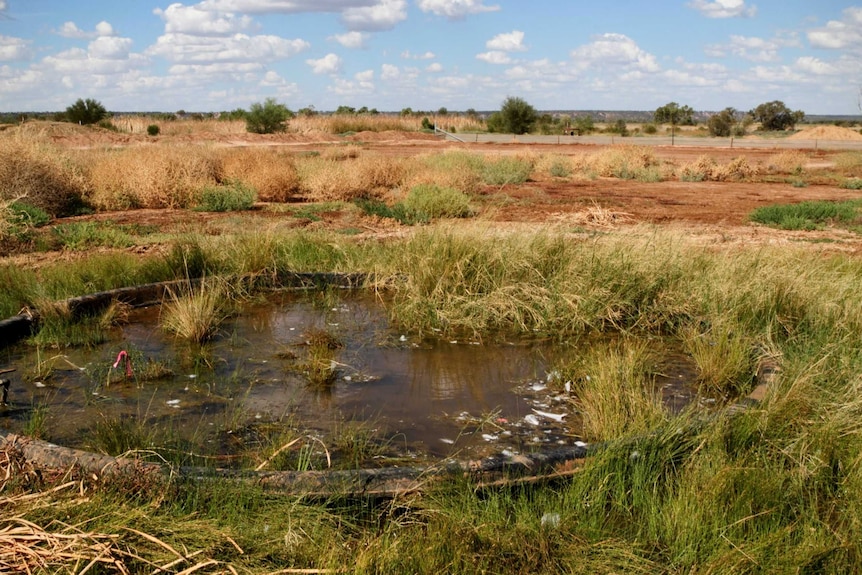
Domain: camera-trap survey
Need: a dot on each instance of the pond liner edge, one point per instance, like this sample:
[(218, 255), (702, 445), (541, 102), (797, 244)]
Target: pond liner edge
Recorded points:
[(379, 482), (26, 324)]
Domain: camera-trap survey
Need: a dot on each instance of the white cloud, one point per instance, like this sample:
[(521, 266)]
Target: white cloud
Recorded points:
[(14, 49), (752, 48), (494, 57), (351, 39), (390, 72), (195, 21), (185, 48), (329, 64), (83, 62), (383, 15), (839, 35), (434, 68), (2, 5), (71, 30), (407, 55), (364, 76), (104, 29), (816, 66), (272, 78), (110, 48), (283, 6), (724, 8), (614, 50), (507, 42), (455, 9)]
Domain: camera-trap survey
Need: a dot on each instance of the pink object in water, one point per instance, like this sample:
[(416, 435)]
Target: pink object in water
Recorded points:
[(124, 355)]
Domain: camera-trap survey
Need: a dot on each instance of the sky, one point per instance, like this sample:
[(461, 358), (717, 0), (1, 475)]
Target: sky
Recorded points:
[(217, 55)]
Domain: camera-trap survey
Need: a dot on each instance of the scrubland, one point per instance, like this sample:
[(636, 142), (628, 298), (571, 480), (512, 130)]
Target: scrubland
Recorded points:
[(773, 487)]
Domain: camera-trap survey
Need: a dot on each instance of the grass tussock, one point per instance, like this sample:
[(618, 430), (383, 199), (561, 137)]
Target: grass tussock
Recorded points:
[(614, 389), (42, 175), (271, 173), (152, 177), (366, 176), (197, 314), (787, 162), (725, 357), (706, 168)]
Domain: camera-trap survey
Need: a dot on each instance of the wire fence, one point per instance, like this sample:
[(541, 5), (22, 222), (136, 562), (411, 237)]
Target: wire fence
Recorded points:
[(681, 141)]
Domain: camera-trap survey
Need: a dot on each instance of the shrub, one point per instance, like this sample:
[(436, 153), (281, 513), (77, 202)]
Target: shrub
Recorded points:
[(267, 118), (429, 201), (231, 197), (153, 130), (506, 170), (517, 116), (852, 184), (364, 177), (788, 162), (87, 111), (650, 129)]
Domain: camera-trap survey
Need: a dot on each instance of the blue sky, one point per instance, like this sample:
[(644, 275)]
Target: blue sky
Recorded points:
[(213, 55)]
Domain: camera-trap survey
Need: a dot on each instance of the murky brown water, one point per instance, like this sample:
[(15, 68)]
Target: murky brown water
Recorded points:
[(433, 397)]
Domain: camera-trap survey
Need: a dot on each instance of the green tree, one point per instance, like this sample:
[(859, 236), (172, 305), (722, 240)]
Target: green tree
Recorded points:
[(346, 110), (267, 118), (517, 115), (406, 112), (443, 111), (87, 111), (673, 113), (584, 125), (776, 116), (721, 125)]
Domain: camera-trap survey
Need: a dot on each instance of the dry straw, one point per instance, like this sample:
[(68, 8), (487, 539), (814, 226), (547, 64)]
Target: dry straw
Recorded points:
[(271, 172), (152, 176)]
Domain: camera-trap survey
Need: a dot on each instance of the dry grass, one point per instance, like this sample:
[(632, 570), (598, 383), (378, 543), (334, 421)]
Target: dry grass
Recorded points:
[(41, 174), (152, 177), (787, 162), (271, 172), (706, 168), (366, 176)]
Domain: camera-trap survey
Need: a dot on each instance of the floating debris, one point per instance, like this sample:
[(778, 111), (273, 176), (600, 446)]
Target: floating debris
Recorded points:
[(555, 416), (447, 441), (531, 419)]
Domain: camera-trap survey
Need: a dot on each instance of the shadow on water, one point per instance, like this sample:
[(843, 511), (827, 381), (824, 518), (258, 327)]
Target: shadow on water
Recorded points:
[(428, 398)]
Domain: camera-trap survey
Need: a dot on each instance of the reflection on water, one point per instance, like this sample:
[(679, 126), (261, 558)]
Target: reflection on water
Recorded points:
[(430, 392)]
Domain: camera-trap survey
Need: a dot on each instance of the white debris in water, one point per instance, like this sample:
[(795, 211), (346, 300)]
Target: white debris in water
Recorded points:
[(293, 329), (258, 416), (507, 453), (173, 402), (192, 375), (447, 441), (348, 378), (38, 384), (531, 419), (489, 437), (554, 416), (580, 444), (454, 341), (402, 338), (568, 387), (634, 455), (538, 387), (552, 375)]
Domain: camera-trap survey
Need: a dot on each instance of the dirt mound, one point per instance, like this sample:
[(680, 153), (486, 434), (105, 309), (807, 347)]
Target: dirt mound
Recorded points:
[(827, 133), (390, 135)]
